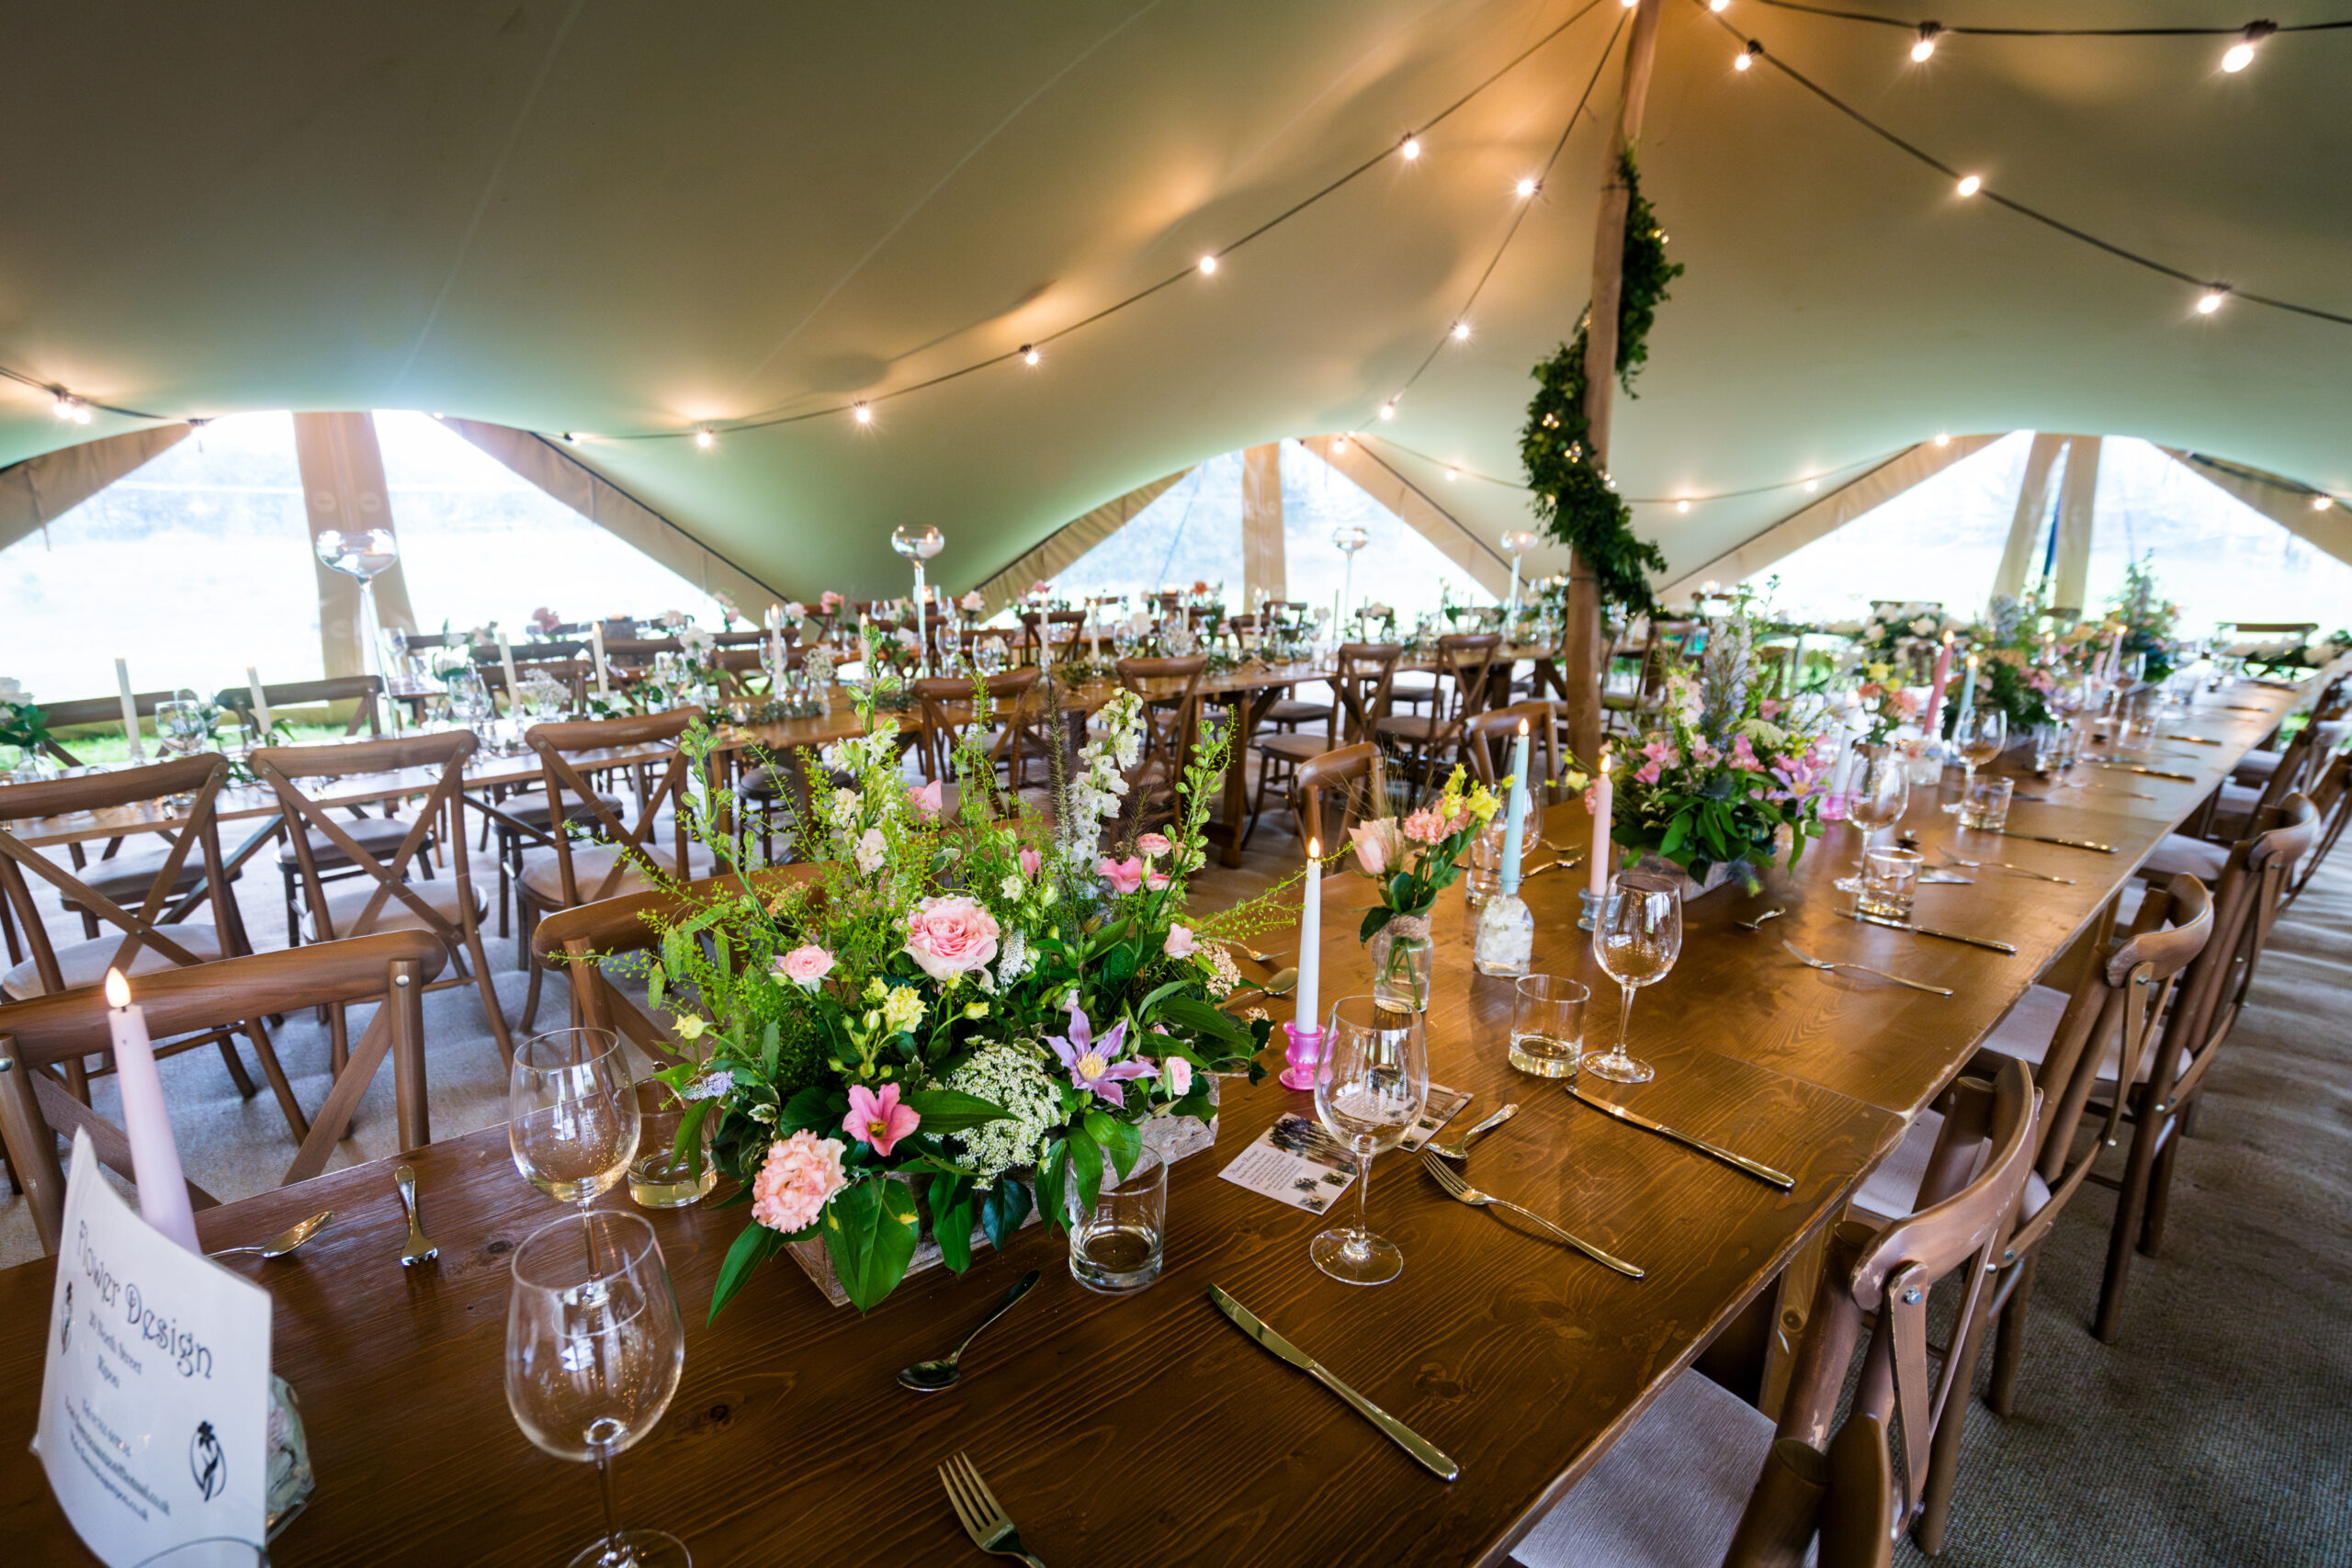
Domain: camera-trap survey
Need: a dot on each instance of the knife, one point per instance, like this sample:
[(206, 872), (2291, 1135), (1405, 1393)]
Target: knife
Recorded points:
[(2238, 708), (1412, 1442), (2066, 843), (2136, 768), (2195, 740), (1984, 942), (1606, 1108)]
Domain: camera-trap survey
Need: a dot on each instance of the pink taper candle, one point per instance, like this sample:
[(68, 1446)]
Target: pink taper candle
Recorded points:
[(1603, 805), (1936, 688), (155, 1153)]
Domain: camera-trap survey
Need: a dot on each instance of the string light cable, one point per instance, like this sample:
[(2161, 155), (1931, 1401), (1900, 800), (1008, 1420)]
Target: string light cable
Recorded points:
[(2244, 31), (2213, 293), (1808, 482)]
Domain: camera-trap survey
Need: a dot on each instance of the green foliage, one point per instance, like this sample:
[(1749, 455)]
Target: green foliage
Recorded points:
[(1572, 498)]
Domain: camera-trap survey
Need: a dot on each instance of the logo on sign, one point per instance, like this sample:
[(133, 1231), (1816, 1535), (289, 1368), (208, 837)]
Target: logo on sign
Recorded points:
[(206, 1462)]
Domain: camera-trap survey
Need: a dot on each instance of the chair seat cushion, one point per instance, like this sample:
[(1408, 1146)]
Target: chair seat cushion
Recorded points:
[(543, 878), (531, 810), (1893, 1190), (1291, 712), (2177, 852), (1669, 1495), (379, 835), (126, 879), (440, 895), (84, 963), (1410, 727), (1293, 748), (2255, 767)]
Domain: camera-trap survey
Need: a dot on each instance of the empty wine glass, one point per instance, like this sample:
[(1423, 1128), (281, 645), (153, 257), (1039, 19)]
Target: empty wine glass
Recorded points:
[(1880, 794), (1370, 1087), (593, 1351), (1979, 735), (573, 1119), (182, 727), (1636, 937)]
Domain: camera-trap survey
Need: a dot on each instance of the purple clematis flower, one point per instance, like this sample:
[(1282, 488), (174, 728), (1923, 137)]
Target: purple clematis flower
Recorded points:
[(1089, 1060)]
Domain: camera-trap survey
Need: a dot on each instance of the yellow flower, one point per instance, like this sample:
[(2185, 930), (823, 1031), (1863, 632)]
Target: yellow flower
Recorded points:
[(691, 1027), (902, 1009), (876, 990)]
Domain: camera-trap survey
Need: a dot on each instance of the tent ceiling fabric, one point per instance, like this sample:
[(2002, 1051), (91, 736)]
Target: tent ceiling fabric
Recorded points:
[(559, 215)]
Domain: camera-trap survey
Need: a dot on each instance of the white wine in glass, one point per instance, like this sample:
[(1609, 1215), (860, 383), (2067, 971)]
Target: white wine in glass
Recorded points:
[(572, 1115), (1370, 1087), (1636, 937), (1880, 796)]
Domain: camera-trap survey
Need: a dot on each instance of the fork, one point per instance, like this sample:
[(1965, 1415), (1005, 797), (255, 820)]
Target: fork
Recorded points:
[(1757, 923), (982, 1516), (420, 1249), (1811, 963), (1461, 1192), (1952, 859)]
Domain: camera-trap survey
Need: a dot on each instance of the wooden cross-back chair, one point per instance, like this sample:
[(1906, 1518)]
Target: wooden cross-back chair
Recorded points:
[(571, 941), (449, 909), (1491, 737), (1171, 726), (2331, 797), (1357, 775), (80, 711), (953, 707), (1051, 637), (153, 930), (40, 1036), (1363, 676), (1468, 663), (364, 693), (624, 859), (2234, 810)]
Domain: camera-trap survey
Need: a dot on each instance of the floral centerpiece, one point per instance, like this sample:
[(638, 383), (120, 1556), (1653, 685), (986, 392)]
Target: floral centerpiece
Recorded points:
[(957, 1018), (1731, 774), (1887, 706), (23, 727), (1410, 861), (2149, 622), (2014, 672)]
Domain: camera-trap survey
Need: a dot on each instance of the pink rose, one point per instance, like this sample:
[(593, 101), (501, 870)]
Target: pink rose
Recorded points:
[(801, 1175), (1177, 1074), (805, 965), (1425, 827), (829, 600), (949, 937), (878, 1121), (1123, 875), (1030, 861), (1180, 943), (928, 800), (1153, 844)]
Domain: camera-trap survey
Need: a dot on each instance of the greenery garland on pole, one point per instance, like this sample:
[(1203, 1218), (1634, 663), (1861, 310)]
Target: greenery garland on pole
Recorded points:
[(1572, 495)]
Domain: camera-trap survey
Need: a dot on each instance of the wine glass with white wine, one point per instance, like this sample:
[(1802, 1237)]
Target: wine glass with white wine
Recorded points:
[(572, 1115), (1880, 795), (1636, 937)]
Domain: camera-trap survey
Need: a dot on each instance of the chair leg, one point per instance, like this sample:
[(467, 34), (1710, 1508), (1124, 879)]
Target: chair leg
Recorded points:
[(291, 1108), (293, 916), (246, 1087), (527, 919), (1257, 803), (2152, 1228), (2130, 1208), (1943, 1453), (490, 998), (2008, 1349)]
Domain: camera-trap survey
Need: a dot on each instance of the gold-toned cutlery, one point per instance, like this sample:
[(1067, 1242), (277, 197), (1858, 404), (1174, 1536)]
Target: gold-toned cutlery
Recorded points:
[(1987, 943), (1756, 1169), (2196, 739), (1279, 984), (1810, 962), (285, 1241), (2145, 772), (1757, 923), (420, 1249), (2053, 839), (930, 1377), (1568, 863), (982, 1516), (1264, 960), (1404, 1436), (1460, 1148), (1952, 859), (1461, 1192)]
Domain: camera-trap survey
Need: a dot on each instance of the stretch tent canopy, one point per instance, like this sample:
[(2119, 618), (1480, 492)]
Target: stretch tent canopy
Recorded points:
[(633, 221)]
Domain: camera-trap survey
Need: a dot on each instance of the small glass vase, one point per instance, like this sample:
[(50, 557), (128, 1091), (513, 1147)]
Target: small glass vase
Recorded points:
[(1402, 957), (1506, 940)]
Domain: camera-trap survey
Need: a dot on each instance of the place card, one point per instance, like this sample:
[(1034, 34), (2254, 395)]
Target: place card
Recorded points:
[(1296, 1162), (154, 1406)]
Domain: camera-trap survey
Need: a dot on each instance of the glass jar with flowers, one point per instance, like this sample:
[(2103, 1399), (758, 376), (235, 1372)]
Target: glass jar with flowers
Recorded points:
[(1410, 861)]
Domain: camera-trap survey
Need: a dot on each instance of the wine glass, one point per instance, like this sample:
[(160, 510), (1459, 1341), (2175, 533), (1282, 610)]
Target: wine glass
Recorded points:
[(1979, 735), (572, 1113), (1370, 1087), (593, 1351), (1636, 937), (182, 727), (1880, 794)]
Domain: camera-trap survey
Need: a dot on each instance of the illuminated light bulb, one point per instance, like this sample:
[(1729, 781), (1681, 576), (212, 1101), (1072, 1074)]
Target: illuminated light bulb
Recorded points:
[(65, 405), (1681, 506), (1927, 44), (1970, 185), (1746, 57), (1811, 485), (1208, 263), (1629, 4), (1718, 6), (1943, 438), (863, 414), (2321, 503), (80, 414), (1411, 149), (1388, 408), (2241, 53), (1526, 188), (1453, 473), (1029, 354), (1461, 332), (1340, 447), (2211, 301), (705, 439)]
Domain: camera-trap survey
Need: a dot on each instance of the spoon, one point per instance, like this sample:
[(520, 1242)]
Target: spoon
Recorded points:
[(930, 1377), (285, 1241), (1278, 984), (1461, 1150), (1264, 958), (1757, 923)]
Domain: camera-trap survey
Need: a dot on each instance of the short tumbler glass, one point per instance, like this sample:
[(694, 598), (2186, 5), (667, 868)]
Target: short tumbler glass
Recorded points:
[(662, 1176), (1986, 806), (1117, 1245), (1547, 1026), (1890, 882)]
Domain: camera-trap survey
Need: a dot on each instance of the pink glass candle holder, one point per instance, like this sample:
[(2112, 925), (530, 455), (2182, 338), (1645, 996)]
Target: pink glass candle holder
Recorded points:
[(1304, 1054)]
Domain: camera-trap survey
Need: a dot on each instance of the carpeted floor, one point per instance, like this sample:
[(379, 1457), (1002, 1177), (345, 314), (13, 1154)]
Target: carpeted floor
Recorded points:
[(2218, 1430)]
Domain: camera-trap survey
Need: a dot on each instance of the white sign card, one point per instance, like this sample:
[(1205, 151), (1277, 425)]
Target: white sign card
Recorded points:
[(154, 1406), (1296, 1162)]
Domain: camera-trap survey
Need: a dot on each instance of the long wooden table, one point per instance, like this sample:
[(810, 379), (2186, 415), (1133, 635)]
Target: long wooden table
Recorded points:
[(1149, 1430)]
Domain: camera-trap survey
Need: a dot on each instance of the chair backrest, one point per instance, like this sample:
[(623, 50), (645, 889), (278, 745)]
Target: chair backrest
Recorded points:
[(1051, 636), (1357, 773), (1497, 730), (439, 759), (1171, 724), (2333, 798), (1469, 658), (1364, 678), (145, 796), (39, 1036), (952, 706), (1988, 1129), (80, 711), (563, 748), (2291, 775), (362, 692)]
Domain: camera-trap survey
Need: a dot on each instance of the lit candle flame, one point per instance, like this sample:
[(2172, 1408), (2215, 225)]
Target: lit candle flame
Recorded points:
[(118, 990)]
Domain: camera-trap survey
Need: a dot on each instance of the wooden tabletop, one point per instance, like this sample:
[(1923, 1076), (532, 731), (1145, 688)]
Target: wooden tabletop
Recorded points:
[(1149, 1430)]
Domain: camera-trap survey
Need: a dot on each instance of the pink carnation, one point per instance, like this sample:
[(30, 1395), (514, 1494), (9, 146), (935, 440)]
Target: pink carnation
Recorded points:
[(805, 965), (801, 1175), (1425, 827), (949, 937), (1123, 875)]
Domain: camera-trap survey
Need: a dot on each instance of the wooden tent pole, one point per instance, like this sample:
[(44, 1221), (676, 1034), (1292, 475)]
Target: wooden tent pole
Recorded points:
[(1584, 630)]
